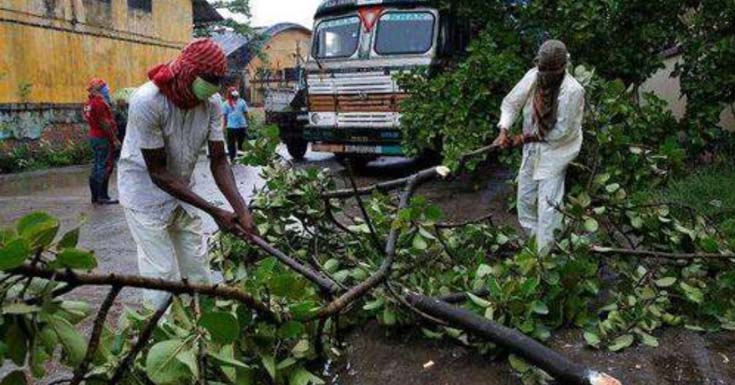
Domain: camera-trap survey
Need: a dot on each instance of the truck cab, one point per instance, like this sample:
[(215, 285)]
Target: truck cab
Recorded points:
[(352, 102)]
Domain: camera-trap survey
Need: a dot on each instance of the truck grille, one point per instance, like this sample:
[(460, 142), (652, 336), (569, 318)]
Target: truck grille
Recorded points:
[(356, 103), (351, 83)]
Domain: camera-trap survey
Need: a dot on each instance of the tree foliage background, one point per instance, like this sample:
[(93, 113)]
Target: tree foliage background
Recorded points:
[(618, 39)]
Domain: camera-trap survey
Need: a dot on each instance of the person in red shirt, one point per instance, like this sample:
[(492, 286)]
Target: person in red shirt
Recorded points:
[(102, 139)]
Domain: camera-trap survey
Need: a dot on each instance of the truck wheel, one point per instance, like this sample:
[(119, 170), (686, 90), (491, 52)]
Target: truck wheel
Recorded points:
[(297, 148)]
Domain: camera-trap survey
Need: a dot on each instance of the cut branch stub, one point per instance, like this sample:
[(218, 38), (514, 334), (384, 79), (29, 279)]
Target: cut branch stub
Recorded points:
[(564, 370)]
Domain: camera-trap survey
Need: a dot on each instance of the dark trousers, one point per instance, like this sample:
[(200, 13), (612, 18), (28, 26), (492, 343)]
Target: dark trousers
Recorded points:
[(100, 175), (235, 139)]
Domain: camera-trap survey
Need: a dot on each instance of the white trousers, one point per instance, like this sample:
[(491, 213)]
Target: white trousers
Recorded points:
[(171, 249), (536, 200)]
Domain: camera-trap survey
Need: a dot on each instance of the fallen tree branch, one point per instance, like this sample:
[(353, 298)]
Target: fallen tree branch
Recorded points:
[(391, 185), (142, 341), (562, 369), (173, 287), (426, 174), (94, 339), (455, 298), (660, 254)]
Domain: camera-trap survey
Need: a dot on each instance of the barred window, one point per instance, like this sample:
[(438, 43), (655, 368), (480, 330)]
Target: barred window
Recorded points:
[(144, 5)]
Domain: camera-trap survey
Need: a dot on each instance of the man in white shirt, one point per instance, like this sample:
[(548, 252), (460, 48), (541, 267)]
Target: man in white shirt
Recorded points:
[(552, 103), (170, 120)]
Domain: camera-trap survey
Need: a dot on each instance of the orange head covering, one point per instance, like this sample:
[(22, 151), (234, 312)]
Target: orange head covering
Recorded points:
[(95, 84), (174, 79)]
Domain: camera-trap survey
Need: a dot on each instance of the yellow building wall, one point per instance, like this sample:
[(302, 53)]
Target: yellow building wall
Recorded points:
[(49, 58), (280, 51)]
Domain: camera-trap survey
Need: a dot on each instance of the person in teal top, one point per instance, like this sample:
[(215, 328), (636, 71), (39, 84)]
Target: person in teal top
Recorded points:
[(235, 110)]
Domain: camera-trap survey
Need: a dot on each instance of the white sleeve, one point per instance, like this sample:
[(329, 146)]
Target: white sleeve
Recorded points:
[(515, 101), (216, 134), (570, 116), (145, 118)]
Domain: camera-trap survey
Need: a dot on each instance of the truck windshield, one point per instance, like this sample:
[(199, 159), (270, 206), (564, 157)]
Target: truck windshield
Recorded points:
[(405, 33), (337, 37)]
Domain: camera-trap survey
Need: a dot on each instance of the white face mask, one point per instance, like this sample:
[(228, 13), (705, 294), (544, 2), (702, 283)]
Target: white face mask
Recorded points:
[(235, 95)]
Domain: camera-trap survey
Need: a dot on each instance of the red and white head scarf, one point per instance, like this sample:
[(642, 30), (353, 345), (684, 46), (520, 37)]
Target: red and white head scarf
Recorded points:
[(174, 79)]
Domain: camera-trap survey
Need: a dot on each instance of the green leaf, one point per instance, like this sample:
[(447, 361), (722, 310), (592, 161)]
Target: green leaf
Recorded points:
[(162, 365), (17, 344), (622, 342), (287, 363), (479, 301), (666, 282), (611, 188), (584, 200), (227, 361), (222, 326), (495, 290), (539, 307), (75, 346), (529, 287), (14, 254), (331, 265), (300, 349), (389, 317), (75, 259), (709, 245), (20, 308), (302, 376), (636, 222), (269, 363), (693, 294), (189, 358), (433, 213), (419, 243), (591, 225), (69, 240), (291, 329), (15, 378), (483, 271), (648, 339), (374, 305), (39, 229), (592, 339), (518, 364)]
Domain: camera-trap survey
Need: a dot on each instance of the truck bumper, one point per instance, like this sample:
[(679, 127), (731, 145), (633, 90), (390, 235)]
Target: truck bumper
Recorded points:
[(385, 142)]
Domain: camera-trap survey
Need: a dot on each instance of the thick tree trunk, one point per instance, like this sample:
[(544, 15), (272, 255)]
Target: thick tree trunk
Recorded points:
[(564, 370)]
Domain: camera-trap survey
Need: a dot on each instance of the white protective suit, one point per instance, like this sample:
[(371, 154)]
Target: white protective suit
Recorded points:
[(541, 177)]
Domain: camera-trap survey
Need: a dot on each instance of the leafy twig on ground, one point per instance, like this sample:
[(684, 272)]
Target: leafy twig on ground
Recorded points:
[(94, 339), (142, 341)]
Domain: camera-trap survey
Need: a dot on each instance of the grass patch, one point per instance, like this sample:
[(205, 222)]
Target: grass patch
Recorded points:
[(709, 190)]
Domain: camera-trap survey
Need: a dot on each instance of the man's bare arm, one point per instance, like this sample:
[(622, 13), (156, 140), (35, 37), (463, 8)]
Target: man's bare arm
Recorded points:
[(226, 182), (155, 160)]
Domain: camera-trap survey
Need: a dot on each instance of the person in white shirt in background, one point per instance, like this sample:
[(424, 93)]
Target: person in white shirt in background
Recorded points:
[(552, 103)]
